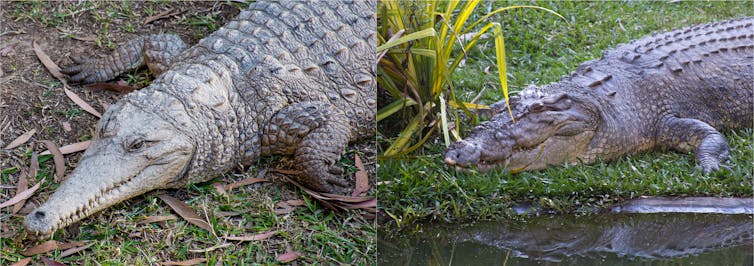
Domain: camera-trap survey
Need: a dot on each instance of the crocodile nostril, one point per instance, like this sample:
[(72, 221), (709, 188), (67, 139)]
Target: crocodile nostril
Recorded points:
[(39, 215), (451, 157)]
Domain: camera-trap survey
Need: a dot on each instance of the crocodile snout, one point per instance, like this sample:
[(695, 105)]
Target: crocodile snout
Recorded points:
[(463, 154), (39, 222)]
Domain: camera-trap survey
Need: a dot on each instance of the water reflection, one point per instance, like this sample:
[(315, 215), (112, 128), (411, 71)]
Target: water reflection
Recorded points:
[(607, 239)]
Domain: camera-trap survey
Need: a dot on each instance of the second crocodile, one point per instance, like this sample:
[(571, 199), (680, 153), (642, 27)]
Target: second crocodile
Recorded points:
[(674, 90)]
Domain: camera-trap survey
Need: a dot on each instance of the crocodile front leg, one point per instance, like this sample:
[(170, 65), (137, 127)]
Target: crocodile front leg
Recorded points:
[(686, 134), (317, 134), (157, 51)]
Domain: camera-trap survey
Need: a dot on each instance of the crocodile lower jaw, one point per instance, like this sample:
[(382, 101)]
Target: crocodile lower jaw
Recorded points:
[(83, 210)]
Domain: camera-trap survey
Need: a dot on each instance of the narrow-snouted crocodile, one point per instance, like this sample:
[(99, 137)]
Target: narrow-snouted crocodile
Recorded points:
[(672, 90), (288, 77)]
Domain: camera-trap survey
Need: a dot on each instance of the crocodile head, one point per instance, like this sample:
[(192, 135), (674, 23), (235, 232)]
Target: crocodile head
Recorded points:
[(548, 130), (133, 152)]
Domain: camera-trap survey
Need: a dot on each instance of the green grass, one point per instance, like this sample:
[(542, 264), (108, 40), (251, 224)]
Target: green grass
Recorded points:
[(320, 235), (540, 48), (71, 112)]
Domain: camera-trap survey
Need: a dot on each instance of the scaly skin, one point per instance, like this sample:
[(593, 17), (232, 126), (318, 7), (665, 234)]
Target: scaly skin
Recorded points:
[(156, 51), (292, 78), (674, 90)]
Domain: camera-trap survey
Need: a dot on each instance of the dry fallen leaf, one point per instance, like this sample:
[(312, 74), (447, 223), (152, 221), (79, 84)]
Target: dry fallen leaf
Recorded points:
[(288, 172), (51, 245), (293, 202), (71, 244), (55, 71), (73, 35), (51, 262), (287, 206), (220, 188), (369, 216), (345, 198), (111, 87), (225, 245), (47, 62), (74, 250), (158, 218), (163, 14), (81, 103), (22, 262), (335, 201), (185, 212), (71, 148), (284, 210), (288, 256), (362, 180), (34, 165), (135, 234), (44, 247), (85, 38), (185, 262), (325, 201), (22, 196), (23, 185), (21, 139), (256, 237), (104, 104), (248, 181), (57, 157), (362, 205)]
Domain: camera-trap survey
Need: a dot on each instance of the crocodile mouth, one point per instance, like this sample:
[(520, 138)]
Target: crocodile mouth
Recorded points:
[(486, 166), (82, 210), (42, 224), (517, 161), (36, 221)]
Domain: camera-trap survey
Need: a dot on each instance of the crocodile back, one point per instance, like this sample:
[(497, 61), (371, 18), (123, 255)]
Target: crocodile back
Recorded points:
[(293, 51), (277, 53), (702, 72), (273, 54)]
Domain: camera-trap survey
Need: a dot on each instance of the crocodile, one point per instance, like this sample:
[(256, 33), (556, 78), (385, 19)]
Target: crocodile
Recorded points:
[(281, 78), (674, 90)]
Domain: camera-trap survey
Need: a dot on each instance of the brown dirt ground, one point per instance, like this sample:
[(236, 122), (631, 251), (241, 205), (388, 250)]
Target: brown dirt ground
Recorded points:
[(30, 98)]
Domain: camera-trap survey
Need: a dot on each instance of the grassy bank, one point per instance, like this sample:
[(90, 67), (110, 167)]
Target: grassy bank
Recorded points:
[(540, 48)]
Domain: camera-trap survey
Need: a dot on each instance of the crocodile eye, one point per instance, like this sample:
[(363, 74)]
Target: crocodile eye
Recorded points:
[(501, 136), (135, 145)]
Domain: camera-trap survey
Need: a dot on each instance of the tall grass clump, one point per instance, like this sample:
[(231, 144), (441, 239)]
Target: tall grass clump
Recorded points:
[(421, 44)]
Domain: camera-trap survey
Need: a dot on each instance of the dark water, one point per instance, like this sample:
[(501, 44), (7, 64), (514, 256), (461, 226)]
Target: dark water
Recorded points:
[(602, 239), (687, 205)]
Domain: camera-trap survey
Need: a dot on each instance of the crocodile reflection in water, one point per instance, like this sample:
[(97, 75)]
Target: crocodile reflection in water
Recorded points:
[(558, 238)]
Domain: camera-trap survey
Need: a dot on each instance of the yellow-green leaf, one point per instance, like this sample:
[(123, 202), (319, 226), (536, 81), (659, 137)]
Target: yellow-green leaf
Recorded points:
[(501, 68), (409, 37)]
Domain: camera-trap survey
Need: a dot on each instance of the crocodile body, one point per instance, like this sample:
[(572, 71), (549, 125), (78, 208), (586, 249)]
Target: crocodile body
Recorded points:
[(290, 78), (672, 90)]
